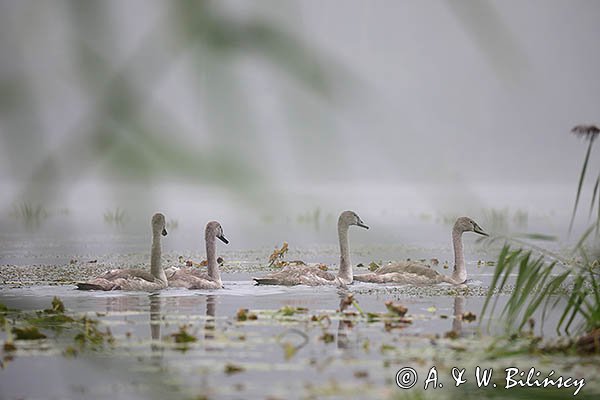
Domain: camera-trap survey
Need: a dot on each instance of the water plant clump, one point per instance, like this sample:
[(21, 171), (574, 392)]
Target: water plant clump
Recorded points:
[(32, 215), (542, 284), (115, 217), (183, 336), (28, 333)]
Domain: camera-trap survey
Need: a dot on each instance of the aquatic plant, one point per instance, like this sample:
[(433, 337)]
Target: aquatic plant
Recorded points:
[(311, 217), (233, 368), (244, 315), (116, 217), (57, 306), (31, 214), (28, 333), (544, 282), (589, 133), (182, 336)]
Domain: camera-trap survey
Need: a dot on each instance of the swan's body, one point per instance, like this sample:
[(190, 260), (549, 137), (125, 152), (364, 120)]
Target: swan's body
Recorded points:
[(136, 279), (194, 278), (292, 275), (411, 272)]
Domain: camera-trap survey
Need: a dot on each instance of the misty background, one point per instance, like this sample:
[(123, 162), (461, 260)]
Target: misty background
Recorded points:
[(272, 117)]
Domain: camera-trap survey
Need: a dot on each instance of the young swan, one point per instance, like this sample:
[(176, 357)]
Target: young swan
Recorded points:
[(312, 275), (136, 279), (411, 272), (194, 278)]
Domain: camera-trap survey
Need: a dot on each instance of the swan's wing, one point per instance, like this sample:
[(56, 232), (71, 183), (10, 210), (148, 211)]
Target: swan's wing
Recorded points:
[(405, 272), (97, 284), (413, 267), (292, 275), (192, 279), (128, 274), (118, 279), (137, 283)]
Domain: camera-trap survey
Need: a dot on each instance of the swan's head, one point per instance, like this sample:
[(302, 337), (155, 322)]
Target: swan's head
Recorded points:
[(466, 224), (214, 229), (159, 224), (351, 218)]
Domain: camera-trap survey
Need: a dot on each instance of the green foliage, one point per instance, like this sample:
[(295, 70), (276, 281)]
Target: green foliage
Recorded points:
[(182, 336), (28, 333), (540, 285), (288, 311), (57, 306)]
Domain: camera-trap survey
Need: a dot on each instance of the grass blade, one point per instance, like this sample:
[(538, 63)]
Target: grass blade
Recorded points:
[(581, 178)]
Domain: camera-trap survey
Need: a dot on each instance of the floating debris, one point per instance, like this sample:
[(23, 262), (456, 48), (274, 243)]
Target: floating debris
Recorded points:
[(288, 311), (434, 261), (327, 337), (276, 258), (468, 316), (233, 368), (389, 325), (183, 336), (373, 266), (346, 302), (395, 308), (203, 263), (57, 306), (361, 374), (244, 315), (28, 333), (451, 335), (320, 320), (9, 347), (70, 351), (289, 350), (386, 347)]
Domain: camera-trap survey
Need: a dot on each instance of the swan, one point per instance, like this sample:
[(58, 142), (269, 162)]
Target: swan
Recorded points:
[(194, 278), (313, 276), (411, 272), (136, 279)]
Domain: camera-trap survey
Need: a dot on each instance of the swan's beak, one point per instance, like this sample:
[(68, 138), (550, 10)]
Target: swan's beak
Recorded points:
[(164, 232), (362, 225), (477, 229), (223, 239)]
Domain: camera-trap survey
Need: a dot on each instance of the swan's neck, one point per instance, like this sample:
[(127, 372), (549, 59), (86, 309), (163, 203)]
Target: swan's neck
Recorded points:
[(459, 309), (211, 258), (345, 273), (459, 275), (155, 259)]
